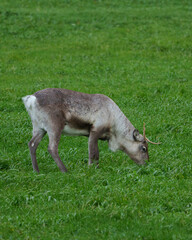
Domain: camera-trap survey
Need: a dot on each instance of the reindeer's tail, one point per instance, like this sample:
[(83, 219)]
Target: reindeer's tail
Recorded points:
[(29, 102)]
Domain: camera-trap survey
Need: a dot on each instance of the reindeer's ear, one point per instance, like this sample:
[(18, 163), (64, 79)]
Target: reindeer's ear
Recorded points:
[(137, 136)]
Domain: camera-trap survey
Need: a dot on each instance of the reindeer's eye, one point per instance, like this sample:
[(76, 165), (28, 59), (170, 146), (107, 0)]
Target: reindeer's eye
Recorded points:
[(144, 149)]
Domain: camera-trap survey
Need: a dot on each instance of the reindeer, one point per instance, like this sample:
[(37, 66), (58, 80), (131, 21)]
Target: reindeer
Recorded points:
[(60, 111)]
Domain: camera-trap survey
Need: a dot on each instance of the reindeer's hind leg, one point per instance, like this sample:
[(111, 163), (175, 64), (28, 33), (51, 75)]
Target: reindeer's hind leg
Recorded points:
[(33, 144), (53, 150)]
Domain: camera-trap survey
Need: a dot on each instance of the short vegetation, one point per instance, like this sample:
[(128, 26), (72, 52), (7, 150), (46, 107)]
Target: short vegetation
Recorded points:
[(139, 53)]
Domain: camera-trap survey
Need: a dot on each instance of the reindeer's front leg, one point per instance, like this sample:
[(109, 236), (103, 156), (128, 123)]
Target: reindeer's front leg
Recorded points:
[(93, 148)]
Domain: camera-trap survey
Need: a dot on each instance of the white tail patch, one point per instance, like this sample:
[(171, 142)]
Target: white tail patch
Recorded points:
[(37, 115), (29, 102)]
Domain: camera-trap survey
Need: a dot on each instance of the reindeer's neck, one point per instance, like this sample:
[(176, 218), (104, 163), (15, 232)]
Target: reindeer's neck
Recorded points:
[(121, 132), (123, 126)]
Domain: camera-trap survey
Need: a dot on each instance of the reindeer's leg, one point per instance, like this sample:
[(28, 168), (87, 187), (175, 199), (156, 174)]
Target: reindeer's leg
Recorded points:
[(33, 144), (53, 149), (93, 148)]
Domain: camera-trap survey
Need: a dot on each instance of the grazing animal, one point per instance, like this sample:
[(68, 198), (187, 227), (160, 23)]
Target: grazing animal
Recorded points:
[(60, 111)]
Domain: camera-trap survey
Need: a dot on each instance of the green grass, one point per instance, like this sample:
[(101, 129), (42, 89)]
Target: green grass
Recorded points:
[(139, 53)]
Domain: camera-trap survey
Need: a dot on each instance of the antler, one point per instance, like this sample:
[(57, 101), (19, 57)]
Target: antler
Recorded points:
[(146, 137), (151, 141), (144, 130)]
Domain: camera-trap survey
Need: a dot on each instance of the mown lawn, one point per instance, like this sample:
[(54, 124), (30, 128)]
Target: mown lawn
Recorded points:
[(139, 53)]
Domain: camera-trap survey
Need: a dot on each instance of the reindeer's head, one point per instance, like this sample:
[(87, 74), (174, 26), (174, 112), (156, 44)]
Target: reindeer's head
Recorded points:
[(138, 148)]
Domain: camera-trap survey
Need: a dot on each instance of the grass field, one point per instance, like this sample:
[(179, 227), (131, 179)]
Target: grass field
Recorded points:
[(139, 53)]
